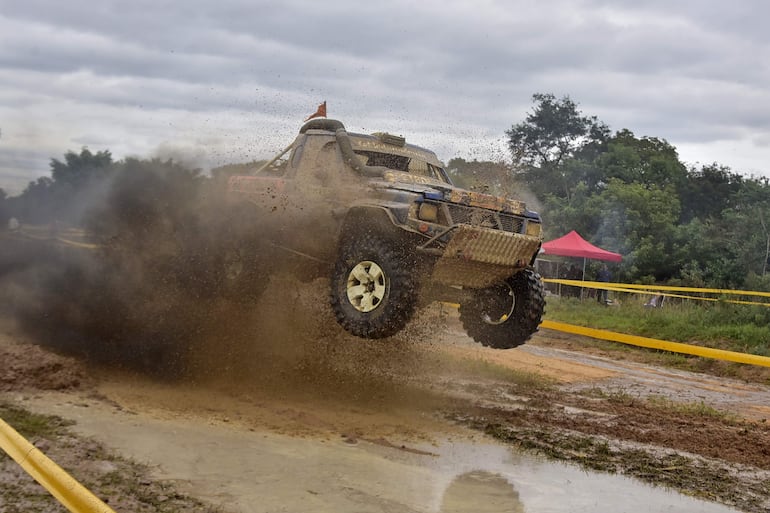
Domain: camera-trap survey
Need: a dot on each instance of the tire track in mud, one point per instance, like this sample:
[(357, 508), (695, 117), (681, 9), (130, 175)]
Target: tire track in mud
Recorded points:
[(748, 400)]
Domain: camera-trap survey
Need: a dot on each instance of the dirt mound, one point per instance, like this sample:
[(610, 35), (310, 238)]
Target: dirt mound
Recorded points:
[(26, 366)]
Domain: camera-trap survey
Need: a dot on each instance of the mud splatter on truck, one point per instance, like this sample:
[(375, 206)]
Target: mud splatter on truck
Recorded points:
[(384, 221)]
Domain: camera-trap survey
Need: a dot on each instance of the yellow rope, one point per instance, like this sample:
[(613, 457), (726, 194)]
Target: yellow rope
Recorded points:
[(652, 343), (70, 493)]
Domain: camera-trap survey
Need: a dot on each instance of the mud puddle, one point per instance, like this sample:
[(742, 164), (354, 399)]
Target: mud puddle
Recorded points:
[(247, 469)]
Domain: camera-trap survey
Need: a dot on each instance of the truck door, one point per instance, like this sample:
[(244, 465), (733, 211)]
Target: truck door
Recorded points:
[(314, 198)]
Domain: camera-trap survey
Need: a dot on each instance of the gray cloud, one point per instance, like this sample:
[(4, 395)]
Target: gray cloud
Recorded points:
[(232, 80)]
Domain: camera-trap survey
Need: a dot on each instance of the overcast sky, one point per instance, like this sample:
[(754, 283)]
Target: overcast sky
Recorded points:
[(231, 81)]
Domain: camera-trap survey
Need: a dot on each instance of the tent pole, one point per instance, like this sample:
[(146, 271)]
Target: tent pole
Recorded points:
[(584, 277)]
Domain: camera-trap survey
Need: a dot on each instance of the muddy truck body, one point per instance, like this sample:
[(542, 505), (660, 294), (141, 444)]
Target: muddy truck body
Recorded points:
[(384, 222)]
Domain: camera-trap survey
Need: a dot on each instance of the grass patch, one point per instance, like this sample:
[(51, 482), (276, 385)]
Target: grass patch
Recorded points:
[(30, 424), (614, 396), (710, 481), (462, 366), (694, 409), (741, 328), (661, 404)]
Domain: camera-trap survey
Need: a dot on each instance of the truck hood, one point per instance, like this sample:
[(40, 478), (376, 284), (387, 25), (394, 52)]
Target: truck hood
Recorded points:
[(442, 191)]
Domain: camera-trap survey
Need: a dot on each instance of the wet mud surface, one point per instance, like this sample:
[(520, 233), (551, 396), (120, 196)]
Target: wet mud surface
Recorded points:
[(701, 435), (256, 470)]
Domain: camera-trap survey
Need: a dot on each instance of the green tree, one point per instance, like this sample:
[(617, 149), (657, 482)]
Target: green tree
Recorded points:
[(647, 160), (584, 213), (67, 193), (701, 227), (552, 133), (709, 191), (79, 169), (745, 225), (640, 222)]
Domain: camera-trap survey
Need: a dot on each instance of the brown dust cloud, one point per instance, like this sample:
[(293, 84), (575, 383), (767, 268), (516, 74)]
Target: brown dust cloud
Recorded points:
[(149, 297)]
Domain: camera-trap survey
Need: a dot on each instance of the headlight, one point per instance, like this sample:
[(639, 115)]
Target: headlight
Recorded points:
[(428, 212), (533, 229)]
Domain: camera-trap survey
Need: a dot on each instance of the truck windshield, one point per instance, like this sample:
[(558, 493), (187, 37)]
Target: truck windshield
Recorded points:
[(403, 163)]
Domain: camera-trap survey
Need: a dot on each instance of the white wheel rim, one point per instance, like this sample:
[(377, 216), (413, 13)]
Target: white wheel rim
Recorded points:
[(366, 286)]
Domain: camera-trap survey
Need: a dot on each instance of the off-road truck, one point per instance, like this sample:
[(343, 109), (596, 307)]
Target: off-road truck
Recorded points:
[(382, 219)]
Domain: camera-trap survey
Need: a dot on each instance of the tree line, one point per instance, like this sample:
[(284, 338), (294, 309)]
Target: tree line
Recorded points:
[(673, 223)]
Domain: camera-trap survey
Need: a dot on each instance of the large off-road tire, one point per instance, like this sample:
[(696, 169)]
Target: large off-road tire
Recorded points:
[(506, 315), (373, 289)]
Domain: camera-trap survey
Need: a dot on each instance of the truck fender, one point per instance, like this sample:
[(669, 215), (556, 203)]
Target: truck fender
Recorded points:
[(369, 218)]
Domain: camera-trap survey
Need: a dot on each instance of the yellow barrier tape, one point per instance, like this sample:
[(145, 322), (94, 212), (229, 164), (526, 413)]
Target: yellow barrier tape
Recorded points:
[(71, 494), (682, 296), (652, 343), (83, 245), (602, 285), (675, 347), (58, 239), (653, 290)]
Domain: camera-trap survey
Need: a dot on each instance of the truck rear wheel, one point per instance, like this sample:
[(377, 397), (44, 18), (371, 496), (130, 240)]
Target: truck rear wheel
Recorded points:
[(373, 291), (506, 315)]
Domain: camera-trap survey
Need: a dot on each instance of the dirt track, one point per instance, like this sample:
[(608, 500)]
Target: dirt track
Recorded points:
[(570, 405)]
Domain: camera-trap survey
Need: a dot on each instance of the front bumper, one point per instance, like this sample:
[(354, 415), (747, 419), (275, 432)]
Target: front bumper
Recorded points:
[(478, 257)]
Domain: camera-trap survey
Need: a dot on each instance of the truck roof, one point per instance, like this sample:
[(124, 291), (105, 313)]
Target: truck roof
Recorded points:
[(378, 143)]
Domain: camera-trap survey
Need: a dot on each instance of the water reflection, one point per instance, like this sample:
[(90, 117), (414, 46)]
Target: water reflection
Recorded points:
[(480, 477), (481, 492)]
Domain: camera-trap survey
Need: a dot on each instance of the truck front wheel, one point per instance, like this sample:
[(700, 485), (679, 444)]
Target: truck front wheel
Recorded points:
[(373, 290), (506, 315)]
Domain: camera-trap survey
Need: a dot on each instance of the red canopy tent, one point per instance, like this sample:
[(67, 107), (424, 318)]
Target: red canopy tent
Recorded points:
[(573, 245)]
